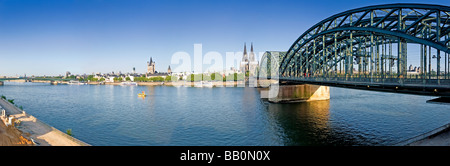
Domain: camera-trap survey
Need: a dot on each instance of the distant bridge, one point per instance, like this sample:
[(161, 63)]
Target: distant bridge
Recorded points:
[(37, 78), (367, 48)]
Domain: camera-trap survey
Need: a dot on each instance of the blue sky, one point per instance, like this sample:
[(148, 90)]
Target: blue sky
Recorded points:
[(50, 37)]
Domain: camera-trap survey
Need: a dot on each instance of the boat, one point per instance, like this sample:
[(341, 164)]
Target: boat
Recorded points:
[(129, 83), (72, 82), (142, 94), (207, 84), (202, 84)]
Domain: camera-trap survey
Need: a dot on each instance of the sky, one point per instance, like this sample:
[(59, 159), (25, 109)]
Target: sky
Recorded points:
[(50, 37)]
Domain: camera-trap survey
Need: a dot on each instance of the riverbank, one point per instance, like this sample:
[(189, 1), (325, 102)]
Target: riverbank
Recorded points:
[(179, 83), (32, 130), (170, 83), (437, 137)]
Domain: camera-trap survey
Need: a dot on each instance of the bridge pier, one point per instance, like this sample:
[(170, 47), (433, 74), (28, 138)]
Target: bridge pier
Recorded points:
[(299, 93), (1, 83)]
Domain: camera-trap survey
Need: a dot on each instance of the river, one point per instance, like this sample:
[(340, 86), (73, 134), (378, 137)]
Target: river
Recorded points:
[(104, 115)]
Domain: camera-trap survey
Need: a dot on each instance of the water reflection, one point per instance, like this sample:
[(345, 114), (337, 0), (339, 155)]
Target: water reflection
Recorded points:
[(306, 123)]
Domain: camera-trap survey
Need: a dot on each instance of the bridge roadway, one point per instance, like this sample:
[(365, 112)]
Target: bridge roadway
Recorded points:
[(409, 86)]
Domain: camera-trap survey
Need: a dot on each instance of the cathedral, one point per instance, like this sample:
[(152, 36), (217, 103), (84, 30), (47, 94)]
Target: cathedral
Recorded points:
[(249, 63), (152, 72)]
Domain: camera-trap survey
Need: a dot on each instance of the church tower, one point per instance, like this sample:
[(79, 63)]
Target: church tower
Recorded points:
[(151, 66), (169, 70)]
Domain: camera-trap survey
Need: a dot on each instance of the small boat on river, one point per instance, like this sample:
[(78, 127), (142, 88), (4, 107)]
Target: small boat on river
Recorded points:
[(142, 94)]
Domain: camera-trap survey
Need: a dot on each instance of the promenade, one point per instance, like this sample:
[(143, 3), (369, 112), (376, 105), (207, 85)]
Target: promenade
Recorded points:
[(33, 130)]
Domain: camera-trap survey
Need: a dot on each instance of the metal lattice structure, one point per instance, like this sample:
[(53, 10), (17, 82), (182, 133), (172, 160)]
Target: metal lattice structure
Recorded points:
[(370, 45)]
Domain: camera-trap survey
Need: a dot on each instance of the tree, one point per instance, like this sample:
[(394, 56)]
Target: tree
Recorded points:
[(206, 77), (216, 77), (168, 79), (118, 79), (239, 77), (157, 79), (127, 79), (90, 77)]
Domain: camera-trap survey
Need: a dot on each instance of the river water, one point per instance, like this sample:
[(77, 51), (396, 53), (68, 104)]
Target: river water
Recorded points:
[(106, 115)]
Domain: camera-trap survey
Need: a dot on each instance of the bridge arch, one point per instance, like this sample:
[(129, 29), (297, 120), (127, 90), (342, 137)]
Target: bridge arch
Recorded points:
[(366, 38)]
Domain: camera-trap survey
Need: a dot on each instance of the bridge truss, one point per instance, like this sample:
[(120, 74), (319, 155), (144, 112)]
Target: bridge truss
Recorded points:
[(373, 45)]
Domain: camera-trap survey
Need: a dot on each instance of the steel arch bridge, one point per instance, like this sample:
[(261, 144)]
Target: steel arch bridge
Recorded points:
[(369, 47)]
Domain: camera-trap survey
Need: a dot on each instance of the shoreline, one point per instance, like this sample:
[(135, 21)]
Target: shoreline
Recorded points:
[(436, 137), (35, 131), (169, 83), (178, 83)]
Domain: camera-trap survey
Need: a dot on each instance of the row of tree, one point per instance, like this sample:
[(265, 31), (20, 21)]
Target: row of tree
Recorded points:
[(89, 78), (191, 78), (216, 77), (153, 79)]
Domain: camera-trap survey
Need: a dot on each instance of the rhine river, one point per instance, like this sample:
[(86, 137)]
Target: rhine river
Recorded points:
[(103, 115)]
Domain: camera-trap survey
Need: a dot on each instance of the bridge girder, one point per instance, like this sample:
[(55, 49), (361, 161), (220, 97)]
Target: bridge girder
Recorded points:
[(367, 27)]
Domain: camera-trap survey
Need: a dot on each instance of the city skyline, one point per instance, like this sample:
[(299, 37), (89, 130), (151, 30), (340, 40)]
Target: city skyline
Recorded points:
[(52, 37)]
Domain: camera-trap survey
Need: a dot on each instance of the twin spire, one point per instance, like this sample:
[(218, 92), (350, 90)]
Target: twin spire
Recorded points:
[(246, 57)]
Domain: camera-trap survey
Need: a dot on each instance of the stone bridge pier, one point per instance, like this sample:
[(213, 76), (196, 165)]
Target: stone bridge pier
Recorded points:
[(296, 93), (1, 83)]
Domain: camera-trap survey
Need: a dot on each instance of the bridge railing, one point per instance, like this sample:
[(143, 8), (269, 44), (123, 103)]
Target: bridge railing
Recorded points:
[(413, 80)]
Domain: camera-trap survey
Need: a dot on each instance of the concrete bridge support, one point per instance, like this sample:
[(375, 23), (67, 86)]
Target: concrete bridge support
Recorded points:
[(300, 93), (1, 83)]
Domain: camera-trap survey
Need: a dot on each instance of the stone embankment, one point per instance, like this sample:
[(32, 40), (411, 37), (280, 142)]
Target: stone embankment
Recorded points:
[(20, 128)]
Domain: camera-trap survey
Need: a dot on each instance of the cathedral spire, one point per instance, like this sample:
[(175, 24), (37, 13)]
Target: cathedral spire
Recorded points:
[(245, 57), (245, 49), (251, 49)]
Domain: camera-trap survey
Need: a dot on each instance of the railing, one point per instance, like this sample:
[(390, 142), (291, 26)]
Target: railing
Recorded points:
[(361, 79)]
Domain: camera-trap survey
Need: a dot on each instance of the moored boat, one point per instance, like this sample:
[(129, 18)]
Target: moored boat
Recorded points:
[(129, 83)]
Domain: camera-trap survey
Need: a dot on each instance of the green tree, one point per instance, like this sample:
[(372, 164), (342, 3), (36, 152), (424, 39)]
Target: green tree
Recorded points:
[(191, 77), (229, 77), (90, 77), (157, 79), (239, 77), (127, 79), (118, 79), (216, 77), (206, 77), (168, 79)]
